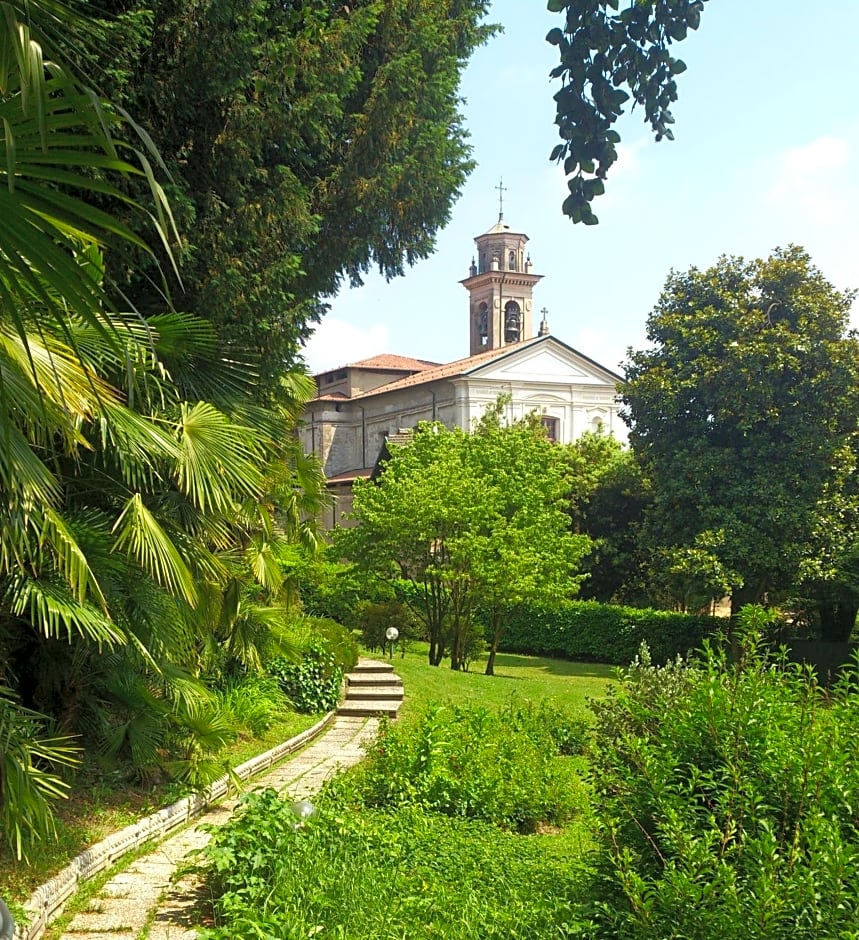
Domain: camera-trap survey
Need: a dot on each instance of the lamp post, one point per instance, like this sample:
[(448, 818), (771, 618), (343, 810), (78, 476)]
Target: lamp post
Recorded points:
[(391, 635)]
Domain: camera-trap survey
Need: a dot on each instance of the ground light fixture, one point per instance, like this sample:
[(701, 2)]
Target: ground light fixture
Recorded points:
[(303, 810), (391, 635), (7, 924)]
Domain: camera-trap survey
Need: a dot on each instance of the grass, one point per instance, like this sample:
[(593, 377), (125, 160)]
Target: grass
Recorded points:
[(382, 858), (98, 806), (524, 678)]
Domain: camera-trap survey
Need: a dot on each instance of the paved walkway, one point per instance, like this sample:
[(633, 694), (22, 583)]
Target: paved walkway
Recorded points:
[(144, 897)]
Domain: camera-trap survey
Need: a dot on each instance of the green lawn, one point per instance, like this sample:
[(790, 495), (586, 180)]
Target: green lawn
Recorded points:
[(522, 677)]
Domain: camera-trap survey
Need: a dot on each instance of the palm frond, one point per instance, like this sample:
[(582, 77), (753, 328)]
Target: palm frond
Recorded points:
[(138, 532)]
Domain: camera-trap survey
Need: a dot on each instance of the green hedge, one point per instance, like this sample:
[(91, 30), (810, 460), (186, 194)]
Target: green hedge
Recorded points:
[(587, 631)]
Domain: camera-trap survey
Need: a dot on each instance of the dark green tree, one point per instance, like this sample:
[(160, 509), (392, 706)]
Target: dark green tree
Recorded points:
[(602, 52), (607, 502), (743, 414), (308, 141)]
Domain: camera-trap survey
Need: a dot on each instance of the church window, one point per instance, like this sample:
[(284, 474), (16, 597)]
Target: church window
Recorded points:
[(512, 322), (551, 426), (511, 261)]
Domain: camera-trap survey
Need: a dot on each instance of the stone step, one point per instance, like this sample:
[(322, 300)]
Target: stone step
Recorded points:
[(376, 693), (363, 709), (372, 665), (374, 679)]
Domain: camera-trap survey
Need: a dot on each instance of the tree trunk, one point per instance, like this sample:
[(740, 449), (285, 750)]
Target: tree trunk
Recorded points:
[(496, 638)]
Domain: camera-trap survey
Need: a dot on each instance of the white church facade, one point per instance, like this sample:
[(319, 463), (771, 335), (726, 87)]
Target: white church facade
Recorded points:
[(362, 406)]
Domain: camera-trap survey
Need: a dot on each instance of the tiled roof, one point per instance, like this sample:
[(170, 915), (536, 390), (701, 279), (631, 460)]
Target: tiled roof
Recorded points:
[(332, 396), (388, 361), (450, 369)]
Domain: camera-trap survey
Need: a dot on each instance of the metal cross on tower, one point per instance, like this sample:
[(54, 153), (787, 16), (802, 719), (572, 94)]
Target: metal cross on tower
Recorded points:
[(501, 190)]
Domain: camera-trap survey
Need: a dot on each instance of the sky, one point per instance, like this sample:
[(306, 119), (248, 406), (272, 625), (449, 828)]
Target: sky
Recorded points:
[(766, 154)]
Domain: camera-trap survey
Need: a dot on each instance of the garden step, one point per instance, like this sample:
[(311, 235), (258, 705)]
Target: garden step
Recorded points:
[(376, 693), (372, 665), (366, 709), (374, 679)]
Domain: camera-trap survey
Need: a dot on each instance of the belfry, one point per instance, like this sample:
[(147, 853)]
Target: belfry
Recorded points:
[(500, 286)]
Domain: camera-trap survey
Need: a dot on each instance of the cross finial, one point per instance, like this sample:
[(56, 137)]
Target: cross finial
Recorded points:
[(501, 190)]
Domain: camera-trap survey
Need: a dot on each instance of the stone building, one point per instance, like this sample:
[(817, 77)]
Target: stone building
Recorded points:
[(363, 405)]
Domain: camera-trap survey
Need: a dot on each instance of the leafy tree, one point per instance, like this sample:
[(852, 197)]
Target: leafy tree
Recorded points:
[(602, 52), (744, 415), (467, 521), (307, 142), (608, 498)]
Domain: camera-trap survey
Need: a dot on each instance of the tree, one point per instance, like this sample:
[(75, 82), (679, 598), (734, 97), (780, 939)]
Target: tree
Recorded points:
[(467, 521), (744, 415), (307, 142), (608, 498), (602, 52)]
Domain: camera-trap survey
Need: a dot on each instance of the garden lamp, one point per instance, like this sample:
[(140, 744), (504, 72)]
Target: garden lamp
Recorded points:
[(391, 635)]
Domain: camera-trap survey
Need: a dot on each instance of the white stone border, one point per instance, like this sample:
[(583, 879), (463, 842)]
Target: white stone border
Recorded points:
[(48, 900)]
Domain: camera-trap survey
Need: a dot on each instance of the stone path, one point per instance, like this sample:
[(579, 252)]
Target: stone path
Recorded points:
[(143, 897)]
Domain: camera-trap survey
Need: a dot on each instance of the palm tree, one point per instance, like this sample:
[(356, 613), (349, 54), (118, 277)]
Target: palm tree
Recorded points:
[(140, 523)]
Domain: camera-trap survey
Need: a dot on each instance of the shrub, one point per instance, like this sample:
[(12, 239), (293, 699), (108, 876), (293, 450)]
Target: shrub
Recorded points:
[(585, 631), (254, 702), (472, 763), (313, 684), (360, 874), (338, 641), (726, 796), (375, 619)]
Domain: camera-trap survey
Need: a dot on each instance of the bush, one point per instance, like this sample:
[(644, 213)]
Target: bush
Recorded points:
[(472, 763), (313, 684), (375, 619), (253, 702), (726, 797), (585, 631), (361, 874), (338, 641)]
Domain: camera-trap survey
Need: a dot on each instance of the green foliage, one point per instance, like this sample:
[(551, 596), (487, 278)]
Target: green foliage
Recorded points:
[(725, 793), (375, 619), (469, 762), (608, 499), (458, 519), (29, 783), (307, 142), (585, 631), (602, 51), (313, 684), (253, 702), (743, 414), (409, 873)]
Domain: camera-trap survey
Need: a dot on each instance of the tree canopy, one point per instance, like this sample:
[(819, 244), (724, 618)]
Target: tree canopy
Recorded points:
[(467, 521), (602, 52), (744, 415), (306, 141)]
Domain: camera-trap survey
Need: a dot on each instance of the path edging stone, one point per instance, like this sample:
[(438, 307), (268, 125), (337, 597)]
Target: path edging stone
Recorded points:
[(47, 901)]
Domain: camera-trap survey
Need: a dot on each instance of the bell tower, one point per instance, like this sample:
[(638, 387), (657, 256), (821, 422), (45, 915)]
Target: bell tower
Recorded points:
[(500, 286)]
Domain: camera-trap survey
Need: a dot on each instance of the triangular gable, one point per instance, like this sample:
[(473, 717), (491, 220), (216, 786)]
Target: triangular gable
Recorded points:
[(550, 362)]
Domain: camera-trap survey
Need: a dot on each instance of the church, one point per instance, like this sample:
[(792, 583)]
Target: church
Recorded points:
[(363, 406)]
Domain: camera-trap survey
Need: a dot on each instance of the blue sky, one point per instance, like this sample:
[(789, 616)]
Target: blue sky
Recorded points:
[(766, 154)]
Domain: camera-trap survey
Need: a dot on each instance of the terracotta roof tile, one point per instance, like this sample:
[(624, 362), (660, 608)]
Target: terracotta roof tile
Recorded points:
[(386, 361), (449, 370)]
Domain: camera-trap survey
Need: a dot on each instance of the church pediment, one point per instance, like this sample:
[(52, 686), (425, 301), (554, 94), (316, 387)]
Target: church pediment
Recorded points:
[(547, 361)]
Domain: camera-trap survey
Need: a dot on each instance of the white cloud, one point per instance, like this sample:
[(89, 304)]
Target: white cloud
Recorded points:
[(813, 180), (336, 342)]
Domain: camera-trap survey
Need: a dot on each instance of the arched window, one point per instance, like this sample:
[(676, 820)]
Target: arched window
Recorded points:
[(512, 322), (483, 323), (511, 261)]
